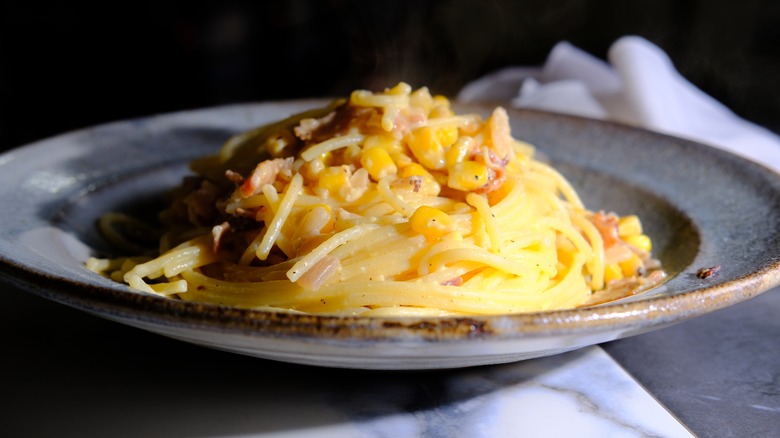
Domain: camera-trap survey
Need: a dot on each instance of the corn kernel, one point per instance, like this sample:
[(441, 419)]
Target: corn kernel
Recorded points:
[(334, 178), (401, 88), (612, 272), (384, 141), (441, 111), (402, 160), (413, 169), (467, 176), (641, 241), (431, 222), (415, 176), (629, 226), (378, 163), (446, 135), (459, 151), (426, 147), (311, 169), (440, 100), (631, 266), (422, 98)]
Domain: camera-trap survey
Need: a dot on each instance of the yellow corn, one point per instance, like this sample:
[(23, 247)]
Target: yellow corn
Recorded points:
[(334, 178), (441, 111), (402, 160), (458, 151), (446, 135), (413, 169), (440, 107), (378, 163), (311, 169), (402, 89), (422, 98), (386, 142), (641, 241), (426, 147), (630, 266), (629, 226), (431, 222), (612, 272), (467, 176), (440, 100)]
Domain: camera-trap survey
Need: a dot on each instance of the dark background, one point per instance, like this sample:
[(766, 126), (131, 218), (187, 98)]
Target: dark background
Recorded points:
[(65, 66)]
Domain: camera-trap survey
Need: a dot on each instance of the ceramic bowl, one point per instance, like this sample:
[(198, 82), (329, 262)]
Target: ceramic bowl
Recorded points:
[(702, 207)]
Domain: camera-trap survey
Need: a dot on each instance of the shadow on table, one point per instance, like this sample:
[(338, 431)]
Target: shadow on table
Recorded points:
[(68, 373)]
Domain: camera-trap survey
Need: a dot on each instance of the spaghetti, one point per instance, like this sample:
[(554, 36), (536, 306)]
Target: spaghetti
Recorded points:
[(385, 203)]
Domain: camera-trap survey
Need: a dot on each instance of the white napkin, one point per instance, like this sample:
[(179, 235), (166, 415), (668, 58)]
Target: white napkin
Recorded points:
[(639, 86)]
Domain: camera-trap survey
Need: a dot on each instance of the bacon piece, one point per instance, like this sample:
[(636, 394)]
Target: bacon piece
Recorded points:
[(216, 234), (265, 173), (501, 133), (336, 123), (607, 225), (306, 128), (409, 119), (318, 274), (457, 281), (234, 177), (496, 170)]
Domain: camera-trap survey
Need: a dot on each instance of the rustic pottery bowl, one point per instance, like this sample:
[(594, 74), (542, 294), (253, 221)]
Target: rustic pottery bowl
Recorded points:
[(702, 207)]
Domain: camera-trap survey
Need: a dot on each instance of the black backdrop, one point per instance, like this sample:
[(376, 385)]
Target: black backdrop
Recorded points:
[(67, 66)]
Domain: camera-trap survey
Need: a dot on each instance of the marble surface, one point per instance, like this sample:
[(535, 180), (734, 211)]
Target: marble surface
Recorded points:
[(66, 373), (719, 374)]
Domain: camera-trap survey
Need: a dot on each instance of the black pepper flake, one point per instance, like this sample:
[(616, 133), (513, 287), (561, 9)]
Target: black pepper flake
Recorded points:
[(704, 273)]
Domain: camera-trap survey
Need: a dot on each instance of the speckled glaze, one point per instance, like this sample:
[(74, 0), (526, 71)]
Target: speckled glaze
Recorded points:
[(703, 207)]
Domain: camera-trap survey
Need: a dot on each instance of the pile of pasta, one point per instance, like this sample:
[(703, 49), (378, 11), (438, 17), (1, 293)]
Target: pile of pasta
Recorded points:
[(385, 203)]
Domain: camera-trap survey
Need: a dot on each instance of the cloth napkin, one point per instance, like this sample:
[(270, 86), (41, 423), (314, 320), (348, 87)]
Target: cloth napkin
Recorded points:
[(639, 85)]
